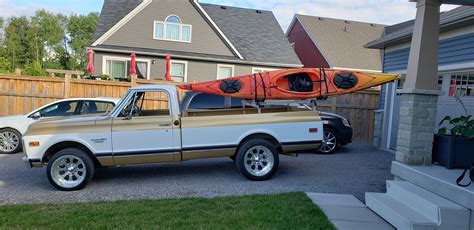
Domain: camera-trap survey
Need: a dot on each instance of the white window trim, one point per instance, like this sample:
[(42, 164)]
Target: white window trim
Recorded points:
[(180, 30), (225, 66), (263, 69), (173, 15), (121, 58), (185, 68)]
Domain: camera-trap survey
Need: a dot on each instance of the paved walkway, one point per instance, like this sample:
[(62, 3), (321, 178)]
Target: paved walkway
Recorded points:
[(346, 212)]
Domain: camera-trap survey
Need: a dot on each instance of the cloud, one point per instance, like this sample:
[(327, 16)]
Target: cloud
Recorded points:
[(386, 12), (10, 8)]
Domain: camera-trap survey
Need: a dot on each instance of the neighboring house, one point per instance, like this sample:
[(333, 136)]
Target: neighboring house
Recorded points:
[(335, 43), (205, 41), (455, 66)]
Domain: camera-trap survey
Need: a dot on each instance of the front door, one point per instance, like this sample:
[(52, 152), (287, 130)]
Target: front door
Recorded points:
[(143, 131)]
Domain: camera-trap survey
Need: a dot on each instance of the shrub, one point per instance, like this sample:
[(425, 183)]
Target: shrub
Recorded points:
[(34, 69), (5, 65)]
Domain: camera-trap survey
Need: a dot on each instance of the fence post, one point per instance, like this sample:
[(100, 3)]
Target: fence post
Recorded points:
[(133, 80), (67, 85)]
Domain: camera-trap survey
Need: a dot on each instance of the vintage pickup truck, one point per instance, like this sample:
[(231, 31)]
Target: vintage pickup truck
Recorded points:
[(148, 126)]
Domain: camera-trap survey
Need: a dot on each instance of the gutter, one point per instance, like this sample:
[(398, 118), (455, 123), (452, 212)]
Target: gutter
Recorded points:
[(257, 64), (407, 33)]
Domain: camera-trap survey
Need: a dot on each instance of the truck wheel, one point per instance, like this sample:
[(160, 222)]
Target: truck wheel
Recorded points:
[(70, 169), (330, 143), (257, 160), (10, 141)]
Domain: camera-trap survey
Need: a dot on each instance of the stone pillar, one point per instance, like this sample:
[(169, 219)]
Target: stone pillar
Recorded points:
[(417, 126), (419, 95)]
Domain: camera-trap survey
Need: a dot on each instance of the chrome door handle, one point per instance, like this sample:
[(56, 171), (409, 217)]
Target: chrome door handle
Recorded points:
[(164, 124)]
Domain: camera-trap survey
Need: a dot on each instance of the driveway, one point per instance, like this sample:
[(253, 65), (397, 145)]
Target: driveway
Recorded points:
[(355, 169)]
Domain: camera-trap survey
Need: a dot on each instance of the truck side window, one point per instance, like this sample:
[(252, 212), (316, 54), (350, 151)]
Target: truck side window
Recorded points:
[(148, 103), (207, 101)]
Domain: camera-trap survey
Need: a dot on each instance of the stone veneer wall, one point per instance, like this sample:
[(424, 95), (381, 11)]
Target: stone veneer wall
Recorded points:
[(378, 122), (417, 126)]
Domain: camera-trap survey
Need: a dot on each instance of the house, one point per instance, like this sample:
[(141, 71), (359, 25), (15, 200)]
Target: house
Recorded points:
[(205, 41), (335, 43), (455, 70)]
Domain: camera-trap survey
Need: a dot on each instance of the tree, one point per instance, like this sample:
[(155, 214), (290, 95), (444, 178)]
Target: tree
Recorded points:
[(50, 33), (2, 38), (17, 41), (45, 40), (80, 29)]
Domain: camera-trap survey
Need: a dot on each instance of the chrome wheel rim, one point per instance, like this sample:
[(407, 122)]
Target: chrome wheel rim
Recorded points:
[(329, 142), (9, 141), (259, 160), (68, 171)]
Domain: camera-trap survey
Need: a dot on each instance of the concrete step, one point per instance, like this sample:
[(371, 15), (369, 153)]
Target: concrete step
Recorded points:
[(398, 214), (447, 214), (347, 213), (438, 180)]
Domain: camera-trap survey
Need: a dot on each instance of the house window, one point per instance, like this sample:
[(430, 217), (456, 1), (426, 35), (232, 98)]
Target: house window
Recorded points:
[(225, 71), (172, 29), (119, 68), (262, 70), (179, 71), (462, 85)]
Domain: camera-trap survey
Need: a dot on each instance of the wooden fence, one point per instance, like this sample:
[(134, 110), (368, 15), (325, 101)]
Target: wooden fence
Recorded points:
[(20, 94), (358, 108)]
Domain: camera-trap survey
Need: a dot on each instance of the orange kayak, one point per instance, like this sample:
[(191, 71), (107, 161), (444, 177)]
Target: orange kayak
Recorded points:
[(292, 84)]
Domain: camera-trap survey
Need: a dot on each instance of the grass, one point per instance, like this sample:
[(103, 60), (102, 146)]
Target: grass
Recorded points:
[(283, 211)]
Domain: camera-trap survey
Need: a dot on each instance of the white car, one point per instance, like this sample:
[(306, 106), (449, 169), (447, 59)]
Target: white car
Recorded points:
[(13, 127)]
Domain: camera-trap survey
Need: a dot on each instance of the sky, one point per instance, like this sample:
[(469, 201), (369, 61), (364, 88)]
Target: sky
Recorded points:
[(386, 12)]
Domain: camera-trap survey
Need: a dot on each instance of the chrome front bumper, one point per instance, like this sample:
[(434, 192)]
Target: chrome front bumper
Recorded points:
[(32, 163)]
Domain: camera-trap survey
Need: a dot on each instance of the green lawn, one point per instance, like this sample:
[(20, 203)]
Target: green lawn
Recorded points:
[(283, 211)]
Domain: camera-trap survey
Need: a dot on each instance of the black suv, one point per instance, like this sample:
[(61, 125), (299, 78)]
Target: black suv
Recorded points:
[(337, 129)]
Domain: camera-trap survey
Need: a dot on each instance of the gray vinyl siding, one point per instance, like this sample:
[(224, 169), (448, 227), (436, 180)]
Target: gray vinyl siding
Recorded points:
[(199, 71), (453, 50), (138, 32)]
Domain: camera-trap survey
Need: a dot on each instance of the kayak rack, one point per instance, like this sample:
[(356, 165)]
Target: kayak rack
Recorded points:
[(309, 104)]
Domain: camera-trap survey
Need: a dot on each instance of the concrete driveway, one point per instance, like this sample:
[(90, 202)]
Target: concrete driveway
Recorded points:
[(355, 169)]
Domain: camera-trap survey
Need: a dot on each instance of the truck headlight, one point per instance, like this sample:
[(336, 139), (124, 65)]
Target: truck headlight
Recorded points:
[(346, 122)]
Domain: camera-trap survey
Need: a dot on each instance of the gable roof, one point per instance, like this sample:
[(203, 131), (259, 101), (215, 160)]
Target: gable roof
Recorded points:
[(402, 32), (112, 12), (255, 35), (342, 41)]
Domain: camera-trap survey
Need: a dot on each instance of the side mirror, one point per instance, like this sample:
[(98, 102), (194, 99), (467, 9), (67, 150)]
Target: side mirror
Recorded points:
[(36, 115)]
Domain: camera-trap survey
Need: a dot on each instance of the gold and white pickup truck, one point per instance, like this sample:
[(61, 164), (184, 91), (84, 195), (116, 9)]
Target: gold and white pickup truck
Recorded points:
[(147, 126)]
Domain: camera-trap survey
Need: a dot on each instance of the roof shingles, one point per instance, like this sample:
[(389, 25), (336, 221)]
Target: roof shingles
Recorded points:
[(256, 35), (342, 42)]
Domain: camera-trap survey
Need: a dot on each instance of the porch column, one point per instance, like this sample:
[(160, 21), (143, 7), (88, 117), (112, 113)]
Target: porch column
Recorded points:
[(419, 95)]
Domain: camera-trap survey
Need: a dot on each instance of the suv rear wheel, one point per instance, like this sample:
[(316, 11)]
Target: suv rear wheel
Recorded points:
[(257, 159), (70, 169)]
